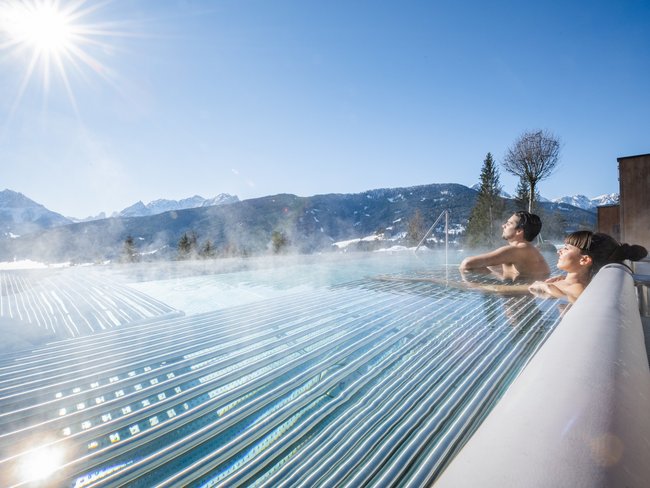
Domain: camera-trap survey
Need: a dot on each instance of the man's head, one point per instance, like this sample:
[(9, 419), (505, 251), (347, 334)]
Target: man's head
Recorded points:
[(524, 224)]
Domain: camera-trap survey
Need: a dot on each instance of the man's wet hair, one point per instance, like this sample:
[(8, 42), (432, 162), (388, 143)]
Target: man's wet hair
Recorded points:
[(531, 224)]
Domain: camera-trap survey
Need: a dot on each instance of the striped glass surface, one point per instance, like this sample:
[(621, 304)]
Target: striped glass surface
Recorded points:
[(366, 378)]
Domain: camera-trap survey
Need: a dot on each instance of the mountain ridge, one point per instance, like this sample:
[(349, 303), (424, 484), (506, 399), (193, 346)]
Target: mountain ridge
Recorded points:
[(302, 224), (578, 200), (21, 215), (586, 203), (161, 205)]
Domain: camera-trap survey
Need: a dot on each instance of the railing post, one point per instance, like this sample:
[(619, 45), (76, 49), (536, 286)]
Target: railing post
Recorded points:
[(445, 213)]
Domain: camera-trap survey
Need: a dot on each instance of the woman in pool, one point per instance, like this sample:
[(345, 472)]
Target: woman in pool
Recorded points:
[(583, 254)]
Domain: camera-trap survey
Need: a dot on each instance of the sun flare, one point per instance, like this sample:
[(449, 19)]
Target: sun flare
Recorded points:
[(54, 38), (40, 463), (42, 26)]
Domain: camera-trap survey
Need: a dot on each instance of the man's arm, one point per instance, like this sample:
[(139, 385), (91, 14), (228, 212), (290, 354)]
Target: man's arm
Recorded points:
[(503, 255)]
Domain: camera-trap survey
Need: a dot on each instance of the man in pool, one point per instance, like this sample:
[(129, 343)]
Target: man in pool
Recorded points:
[(519, 260)]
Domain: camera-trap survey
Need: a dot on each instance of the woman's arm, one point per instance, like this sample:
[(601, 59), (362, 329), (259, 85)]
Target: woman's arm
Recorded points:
[(557, 289), (546, 290)]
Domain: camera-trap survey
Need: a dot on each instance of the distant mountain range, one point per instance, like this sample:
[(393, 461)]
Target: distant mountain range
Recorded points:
[(19, 215), (306, 224), (586, 203), (579, 201), (139, 209)]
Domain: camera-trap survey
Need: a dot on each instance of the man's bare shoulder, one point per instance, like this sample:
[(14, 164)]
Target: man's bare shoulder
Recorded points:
[(527, 249), (531, 263)]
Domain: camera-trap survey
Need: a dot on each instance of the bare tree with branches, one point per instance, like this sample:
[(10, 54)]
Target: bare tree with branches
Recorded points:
[(533, 157)]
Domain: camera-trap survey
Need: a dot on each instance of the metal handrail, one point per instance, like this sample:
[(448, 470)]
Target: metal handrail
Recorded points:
[(446, 214)]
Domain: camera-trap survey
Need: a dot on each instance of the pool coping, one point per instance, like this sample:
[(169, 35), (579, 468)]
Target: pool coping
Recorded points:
[(577, 415)]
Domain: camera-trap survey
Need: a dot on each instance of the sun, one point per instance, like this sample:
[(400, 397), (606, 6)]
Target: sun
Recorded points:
[(42, 26), (54, 38), (40, 463)]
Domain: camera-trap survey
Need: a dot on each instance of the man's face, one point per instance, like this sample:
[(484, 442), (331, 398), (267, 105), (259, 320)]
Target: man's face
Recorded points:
[(510, 227)]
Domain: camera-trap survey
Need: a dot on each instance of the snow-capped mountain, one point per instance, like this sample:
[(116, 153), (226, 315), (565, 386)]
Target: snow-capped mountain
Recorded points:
[(139, 209), (220, 199), (587, 203), (579, 201), (20, 215), (606, 199)]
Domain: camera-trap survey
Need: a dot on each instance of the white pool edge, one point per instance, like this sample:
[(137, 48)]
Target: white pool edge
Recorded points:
[(579, 414)]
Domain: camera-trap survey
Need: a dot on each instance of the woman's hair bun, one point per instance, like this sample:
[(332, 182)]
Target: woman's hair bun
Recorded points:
[(604, 249), (626, 251), (635, 252)]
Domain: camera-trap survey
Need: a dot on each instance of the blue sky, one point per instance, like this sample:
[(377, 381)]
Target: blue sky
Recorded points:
[(260, 97)]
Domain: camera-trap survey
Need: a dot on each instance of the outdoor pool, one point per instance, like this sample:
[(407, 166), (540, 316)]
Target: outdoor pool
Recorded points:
[(334, 370)]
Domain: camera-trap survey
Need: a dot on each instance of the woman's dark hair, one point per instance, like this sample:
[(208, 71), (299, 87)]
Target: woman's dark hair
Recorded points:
[(580, 239), (604, 249)]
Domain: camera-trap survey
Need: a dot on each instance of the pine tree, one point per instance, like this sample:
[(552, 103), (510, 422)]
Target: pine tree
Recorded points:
[(522, 196), (279, 241), (187, 245), (207, 251), (130, 254), (483, 225)]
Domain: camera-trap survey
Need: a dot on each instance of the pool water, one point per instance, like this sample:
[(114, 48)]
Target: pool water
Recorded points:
[(331, 371)]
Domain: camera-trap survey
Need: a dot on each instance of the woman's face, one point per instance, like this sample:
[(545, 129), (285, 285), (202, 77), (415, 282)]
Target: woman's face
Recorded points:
[(570, 258)]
